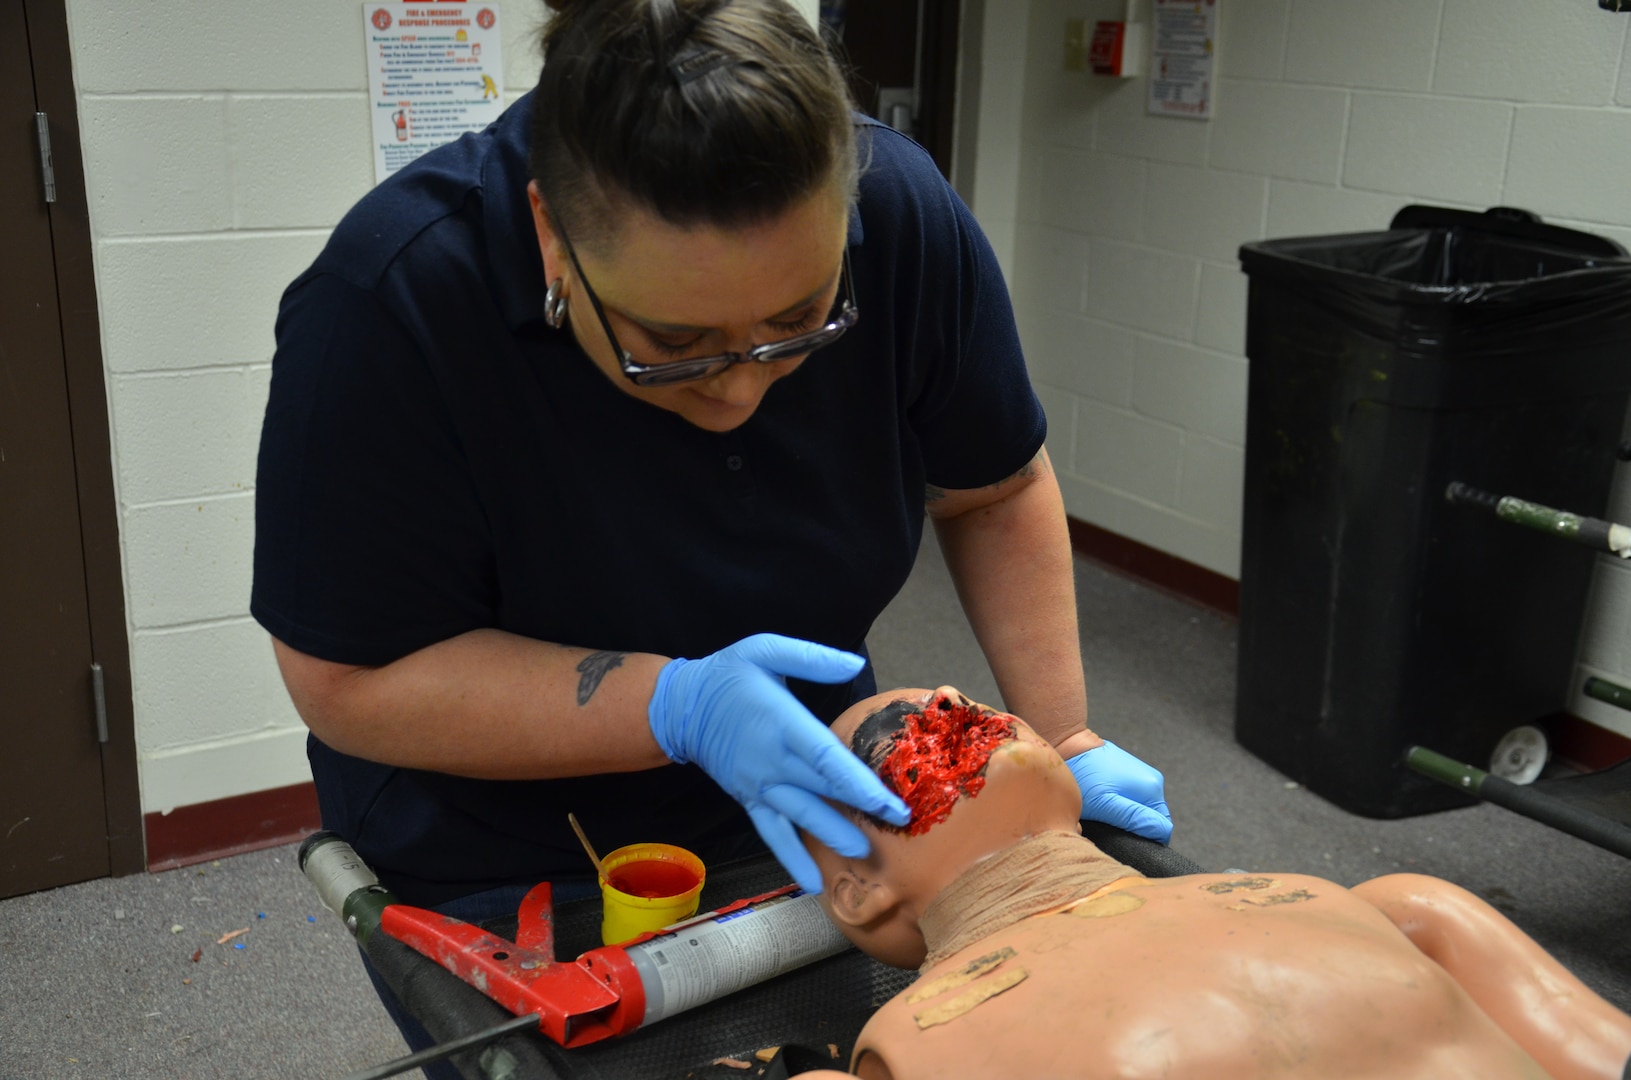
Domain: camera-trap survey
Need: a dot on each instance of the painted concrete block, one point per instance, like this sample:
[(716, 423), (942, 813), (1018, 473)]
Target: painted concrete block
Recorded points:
[(1060, 105), (1212, 482), (1220, 321), (1605, 640), (1428, 148), (1381, 44), (196, 302), (1570, 162), (1091, 502), (223, 768), (1322, 210), (1293, 132), (1142, 288), (1129, 452), (1198, 390), (1087, 358), (189, 562), (1051, 268), (203, 683), (1060, 409), (1622, 96), (1252, 39), (203, 45), (1100, 194), (1538, 51), (523, 59), (1125, 126), (1201, 211), (189, 435), (156, 165), (1181, 535), (1001, 235), (298, 161)]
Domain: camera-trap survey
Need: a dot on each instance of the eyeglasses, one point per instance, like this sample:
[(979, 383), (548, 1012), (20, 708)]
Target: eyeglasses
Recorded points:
[(706, 367)]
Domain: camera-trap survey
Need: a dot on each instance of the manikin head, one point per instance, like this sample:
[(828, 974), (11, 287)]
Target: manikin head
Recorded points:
[(978, 781)]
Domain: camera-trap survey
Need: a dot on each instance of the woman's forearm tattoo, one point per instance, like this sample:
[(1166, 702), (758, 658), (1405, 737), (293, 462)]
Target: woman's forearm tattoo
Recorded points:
[(593, 668)]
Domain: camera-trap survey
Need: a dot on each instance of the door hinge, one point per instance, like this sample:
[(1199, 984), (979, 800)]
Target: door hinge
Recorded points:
[(99, 690), (42, 127)]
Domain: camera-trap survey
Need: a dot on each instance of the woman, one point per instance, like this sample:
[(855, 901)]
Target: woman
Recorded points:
[(667, 363)]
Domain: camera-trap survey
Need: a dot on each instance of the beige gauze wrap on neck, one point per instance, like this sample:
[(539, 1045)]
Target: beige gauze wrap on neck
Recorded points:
[(1037, 874)]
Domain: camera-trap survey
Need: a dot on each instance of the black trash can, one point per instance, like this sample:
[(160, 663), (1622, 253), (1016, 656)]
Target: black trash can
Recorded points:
[(1486, 348)]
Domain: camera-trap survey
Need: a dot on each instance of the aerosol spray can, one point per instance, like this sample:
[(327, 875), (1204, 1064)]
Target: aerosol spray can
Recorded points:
[(716, 954)]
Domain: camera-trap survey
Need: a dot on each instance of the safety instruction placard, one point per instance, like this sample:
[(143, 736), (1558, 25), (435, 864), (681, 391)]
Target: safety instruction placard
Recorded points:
[(1182, 57), (434, 72)]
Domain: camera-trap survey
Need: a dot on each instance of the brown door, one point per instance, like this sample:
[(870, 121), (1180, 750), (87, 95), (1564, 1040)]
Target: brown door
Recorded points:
[(903, 47), (66, 785)]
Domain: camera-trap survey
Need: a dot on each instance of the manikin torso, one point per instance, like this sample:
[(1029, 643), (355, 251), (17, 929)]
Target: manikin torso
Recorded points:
[(1277, 975)]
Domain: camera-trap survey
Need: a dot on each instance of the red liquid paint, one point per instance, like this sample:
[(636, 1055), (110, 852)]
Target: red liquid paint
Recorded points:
[(939, 757), (651, 878)]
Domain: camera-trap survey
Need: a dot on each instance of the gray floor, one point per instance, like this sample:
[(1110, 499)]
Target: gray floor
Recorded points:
[(97, 982)]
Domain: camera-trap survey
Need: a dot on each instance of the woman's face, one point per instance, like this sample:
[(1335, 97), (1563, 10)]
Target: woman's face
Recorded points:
[(673, 293)]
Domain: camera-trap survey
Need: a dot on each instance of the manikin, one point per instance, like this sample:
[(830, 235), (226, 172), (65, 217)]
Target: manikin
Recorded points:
[(1043, 957)]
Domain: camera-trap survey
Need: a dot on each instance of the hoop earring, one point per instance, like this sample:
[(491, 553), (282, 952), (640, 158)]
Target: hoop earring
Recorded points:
[(555, 305)]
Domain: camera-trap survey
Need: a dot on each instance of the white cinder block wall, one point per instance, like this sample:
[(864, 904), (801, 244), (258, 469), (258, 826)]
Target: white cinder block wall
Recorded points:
[(1331, 115), (222, 142)]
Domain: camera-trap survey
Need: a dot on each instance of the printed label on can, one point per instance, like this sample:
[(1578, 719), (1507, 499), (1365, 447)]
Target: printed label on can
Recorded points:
[(715, 957)]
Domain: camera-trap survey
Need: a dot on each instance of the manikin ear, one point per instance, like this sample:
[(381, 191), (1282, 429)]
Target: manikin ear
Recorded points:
[(859, 902)]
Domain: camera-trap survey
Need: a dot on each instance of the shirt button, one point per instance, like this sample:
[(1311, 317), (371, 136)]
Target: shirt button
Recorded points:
[(734, 463)]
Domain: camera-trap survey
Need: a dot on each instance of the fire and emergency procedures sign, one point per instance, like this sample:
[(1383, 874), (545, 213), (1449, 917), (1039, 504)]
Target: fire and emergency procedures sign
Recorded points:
[(1182, 58), (434, 72)]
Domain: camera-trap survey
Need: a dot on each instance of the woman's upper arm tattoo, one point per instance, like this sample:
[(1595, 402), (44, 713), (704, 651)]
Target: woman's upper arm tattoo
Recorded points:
[(1035, 467), (593, 668)]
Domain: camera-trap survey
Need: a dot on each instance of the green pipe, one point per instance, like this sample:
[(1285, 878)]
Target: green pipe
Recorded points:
[(1613, 693), (1521, 799), (1592, 532), (1445, 770)]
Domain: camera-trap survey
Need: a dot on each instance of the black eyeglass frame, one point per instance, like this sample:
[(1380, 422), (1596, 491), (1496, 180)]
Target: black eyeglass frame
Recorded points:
[(697, 368)]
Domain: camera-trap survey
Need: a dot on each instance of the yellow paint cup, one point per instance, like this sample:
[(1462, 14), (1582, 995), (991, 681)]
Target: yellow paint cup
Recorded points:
[(647, 887)]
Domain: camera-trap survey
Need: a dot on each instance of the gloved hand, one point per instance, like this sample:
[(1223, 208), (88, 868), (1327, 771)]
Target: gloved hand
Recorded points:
[(732, 714), (1122, 790)]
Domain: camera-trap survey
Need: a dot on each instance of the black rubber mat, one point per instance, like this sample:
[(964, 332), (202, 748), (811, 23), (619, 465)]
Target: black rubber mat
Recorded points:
[(816, 1011)]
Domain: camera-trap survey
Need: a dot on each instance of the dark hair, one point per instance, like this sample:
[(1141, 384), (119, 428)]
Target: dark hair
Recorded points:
[(716, 112)]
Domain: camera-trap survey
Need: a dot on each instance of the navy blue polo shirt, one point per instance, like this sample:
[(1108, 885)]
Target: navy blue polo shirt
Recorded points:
[(436, 459)]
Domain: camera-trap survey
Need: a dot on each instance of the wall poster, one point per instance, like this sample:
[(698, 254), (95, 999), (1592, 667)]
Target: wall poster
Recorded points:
[(1182, 58), (434, 72)]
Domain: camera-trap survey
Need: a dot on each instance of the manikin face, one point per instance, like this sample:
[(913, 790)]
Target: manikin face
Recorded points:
[(1001, 783), (672, 293)]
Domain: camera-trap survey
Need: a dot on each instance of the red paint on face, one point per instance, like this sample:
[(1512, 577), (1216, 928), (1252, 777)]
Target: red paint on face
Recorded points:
[(652, 878), (940, 756)]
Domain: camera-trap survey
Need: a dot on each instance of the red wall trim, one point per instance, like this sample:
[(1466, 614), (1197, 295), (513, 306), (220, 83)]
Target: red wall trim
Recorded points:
[(232, 826), (1156, 568), (1586, 746)]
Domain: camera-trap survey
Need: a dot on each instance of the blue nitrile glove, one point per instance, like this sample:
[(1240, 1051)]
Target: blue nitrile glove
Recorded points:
[(732, 714), (1121, 789)]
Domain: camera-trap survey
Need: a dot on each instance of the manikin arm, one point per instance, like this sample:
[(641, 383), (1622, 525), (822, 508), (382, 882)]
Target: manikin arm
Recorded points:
[(1572, 1032)]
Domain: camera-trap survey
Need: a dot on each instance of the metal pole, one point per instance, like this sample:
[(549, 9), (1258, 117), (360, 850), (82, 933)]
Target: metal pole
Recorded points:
[(1546, 809)]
